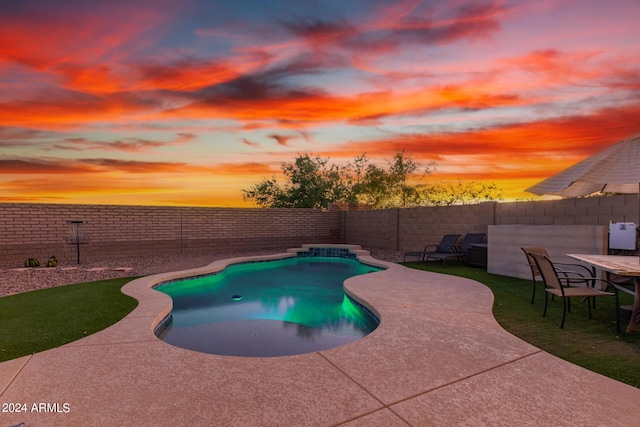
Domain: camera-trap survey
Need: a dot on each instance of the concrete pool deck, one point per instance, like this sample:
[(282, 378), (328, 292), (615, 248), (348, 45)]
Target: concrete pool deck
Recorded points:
[(437, 358)]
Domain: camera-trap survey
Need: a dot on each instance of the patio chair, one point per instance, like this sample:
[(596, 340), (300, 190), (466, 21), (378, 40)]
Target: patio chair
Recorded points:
[(553, 283), (459, 252), (577, 271), (445, 246)]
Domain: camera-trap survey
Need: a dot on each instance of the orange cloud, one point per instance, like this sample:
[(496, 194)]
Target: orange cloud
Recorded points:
[(528, 150), (463, 83), (252, 169), (556, 65), (68, 110), (130, 145), (43, 167), (67, 41), (122, 181)]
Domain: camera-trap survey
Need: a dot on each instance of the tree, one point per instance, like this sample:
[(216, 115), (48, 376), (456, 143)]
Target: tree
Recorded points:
[(460, 193), (267, 193), (311, 182), (391, 187)]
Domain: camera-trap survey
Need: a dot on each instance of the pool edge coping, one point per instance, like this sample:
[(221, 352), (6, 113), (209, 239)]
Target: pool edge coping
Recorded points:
[(150, 299)]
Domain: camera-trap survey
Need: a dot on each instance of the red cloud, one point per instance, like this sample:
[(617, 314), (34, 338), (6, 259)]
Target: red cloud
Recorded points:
[(130, 145), (245, 141), (281, 139), (527, 150), (101, 76), (43, 167)]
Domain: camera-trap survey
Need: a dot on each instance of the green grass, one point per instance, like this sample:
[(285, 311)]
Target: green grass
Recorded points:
[(590, 343), (47, 318)]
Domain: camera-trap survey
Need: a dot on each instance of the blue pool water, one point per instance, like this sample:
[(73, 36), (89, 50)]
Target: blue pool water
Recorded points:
[(268, 308)]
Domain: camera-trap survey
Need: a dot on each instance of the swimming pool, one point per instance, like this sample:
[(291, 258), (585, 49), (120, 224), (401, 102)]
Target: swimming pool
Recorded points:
[(269, 308)]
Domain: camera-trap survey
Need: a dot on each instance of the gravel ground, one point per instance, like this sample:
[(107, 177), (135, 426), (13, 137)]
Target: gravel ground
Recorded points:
[(15, 280)]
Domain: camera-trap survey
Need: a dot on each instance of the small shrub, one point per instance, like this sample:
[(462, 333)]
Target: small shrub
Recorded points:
[(32, 262), (52, 262)]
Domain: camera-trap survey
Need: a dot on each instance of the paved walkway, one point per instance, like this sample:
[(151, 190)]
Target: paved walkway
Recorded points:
[(438, 358)]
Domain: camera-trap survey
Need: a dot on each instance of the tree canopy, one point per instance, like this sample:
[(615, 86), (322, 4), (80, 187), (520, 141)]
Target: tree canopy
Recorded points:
[(312, 182)]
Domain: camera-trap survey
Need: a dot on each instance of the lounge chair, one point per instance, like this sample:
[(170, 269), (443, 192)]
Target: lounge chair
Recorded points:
[(576, 271), (446, 245), (554, 285), (459, 252)]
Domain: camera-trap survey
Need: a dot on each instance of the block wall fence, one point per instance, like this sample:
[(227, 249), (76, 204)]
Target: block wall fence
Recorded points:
[(39, 230), (410, 229)]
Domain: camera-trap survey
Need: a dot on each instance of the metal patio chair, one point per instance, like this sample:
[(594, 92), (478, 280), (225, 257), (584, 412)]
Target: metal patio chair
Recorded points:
[(554, 285), (567, 269)]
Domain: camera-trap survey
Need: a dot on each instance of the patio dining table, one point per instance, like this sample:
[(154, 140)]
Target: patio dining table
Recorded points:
[(621, 265)]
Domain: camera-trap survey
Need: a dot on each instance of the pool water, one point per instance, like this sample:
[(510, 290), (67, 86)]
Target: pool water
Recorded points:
[(268, 308)]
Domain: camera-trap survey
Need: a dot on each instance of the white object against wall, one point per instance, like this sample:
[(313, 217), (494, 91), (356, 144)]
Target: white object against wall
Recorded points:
[(622, 235)]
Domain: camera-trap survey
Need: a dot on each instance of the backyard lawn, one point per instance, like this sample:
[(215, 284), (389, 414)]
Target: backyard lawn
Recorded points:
[(590, 343), (39, 320)]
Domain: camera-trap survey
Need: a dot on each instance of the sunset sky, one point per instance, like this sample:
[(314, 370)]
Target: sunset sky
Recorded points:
[(188, 102)]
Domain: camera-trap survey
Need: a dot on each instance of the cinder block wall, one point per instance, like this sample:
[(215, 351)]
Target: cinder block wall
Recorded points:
[(116, 231), (39, 230), (421, 226), (411, 229), (416, 227), (589, 211), (374, 229)]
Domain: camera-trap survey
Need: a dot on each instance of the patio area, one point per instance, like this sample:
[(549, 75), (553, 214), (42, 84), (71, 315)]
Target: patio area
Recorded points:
[(437, 358)]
